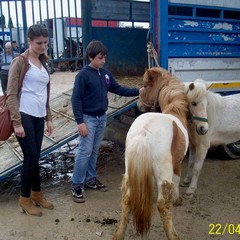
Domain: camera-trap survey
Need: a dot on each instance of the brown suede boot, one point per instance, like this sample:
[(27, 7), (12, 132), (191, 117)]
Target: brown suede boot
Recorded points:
[(39, 199), (26, 205)]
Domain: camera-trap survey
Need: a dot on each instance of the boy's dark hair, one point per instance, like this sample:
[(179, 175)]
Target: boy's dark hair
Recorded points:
[(37, 30), (94, 48)]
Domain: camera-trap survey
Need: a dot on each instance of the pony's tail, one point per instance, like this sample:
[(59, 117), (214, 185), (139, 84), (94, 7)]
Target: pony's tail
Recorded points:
[(140, 181)]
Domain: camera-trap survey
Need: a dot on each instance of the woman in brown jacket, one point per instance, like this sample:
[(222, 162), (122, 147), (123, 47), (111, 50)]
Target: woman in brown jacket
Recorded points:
[(28, 102)]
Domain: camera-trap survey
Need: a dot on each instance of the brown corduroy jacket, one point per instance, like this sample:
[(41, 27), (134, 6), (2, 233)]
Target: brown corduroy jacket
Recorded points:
[(19, 67)]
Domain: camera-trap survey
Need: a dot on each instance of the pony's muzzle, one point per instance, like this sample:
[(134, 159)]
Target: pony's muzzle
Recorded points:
[(143, 107)]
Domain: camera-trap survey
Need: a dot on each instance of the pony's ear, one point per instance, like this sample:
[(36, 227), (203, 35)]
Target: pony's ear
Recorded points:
[(153, 75), (156, 70), (146, 75), (191, 86), (208, 85), (186, 88)]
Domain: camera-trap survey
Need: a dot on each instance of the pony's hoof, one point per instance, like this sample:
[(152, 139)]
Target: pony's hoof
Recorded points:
[(188, 195), (178, 202), (185, 184)]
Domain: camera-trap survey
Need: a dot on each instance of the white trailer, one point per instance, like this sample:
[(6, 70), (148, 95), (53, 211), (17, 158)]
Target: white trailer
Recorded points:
[(13, 34)]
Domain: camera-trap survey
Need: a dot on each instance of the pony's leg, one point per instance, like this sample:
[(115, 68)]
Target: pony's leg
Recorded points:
[(177, 200), (165, 208), (191, 160), (201, 153), (125, 211)]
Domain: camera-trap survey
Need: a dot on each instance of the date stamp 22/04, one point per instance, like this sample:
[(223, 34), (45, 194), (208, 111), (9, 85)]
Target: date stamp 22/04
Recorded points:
[(222, 229)]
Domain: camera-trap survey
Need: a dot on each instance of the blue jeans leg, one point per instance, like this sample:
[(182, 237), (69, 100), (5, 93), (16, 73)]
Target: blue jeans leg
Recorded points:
[(86, 157)]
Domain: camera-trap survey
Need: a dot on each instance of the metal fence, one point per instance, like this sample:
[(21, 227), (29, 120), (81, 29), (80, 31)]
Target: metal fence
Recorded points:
[(61, 17)]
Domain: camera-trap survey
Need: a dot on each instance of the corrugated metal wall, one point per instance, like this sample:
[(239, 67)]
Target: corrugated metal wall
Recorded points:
[(197, 31)]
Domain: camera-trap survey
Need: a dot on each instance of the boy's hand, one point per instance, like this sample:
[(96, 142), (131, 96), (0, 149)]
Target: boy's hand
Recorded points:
[(82, 129)]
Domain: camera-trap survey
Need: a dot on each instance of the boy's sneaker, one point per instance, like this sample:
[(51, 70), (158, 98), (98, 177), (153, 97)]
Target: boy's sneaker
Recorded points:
[(96, 184), (77, 195)]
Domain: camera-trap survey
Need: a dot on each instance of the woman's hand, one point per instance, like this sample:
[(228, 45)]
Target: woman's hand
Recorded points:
[(49, 129), (19, 131)]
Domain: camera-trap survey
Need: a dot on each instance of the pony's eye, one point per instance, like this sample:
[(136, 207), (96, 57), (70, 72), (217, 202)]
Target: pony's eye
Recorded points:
[(145, 86), (194, 104)]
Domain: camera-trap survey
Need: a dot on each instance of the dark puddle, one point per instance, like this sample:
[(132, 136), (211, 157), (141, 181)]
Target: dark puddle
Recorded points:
[(56, 168)]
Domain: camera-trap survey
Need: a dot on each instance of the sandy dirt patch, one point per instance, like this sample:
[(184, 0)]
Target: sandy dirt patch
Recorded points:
[(216, 202)]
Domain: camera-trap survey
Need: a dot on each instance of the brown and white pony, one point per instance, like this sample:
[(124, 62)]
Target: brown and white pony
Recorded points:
[(156, 144)]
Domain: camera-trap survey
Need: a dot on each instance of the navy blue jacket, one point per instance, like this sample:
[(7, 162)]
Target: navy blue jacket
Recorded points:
[(90, 92)]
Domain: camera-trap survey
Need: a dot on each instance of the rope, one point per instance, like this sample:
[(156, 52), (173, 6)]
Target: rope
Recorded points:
[(152, 54)]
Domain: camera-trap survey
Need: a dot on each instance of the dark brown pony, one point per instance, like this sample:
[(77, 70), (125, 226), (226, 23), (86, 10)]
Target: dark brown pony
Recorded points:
[(72, 50)]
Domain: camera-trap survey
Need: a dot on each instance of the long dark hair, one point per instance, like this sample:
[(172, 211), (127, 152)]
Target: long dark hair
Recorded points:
[(38, 30)]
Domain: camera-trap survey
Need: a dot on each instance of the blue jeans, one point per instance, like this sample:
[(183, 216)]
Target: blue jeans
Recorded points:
[(86, 158)]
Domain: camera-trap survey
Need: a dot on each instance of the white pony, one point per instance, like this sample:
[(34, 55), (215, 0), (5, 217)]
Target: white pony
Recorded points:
[(215, 121), (156, 144)]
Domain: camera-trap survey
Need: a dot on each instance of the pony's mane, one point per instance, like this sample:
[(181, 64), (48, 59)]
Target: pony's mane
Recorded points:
[(200, 91), (172, 98), (168, 93), (196, 93)]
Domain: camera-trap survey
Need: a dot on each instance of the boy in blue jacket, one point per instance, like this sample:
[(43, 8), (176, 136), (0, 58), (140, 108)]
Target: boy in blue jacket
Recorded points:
[(89, 104)]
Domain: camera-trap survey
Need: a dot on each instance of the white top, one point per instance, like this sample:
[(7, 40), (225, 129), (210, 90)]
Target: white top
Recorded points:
[(34, 91)]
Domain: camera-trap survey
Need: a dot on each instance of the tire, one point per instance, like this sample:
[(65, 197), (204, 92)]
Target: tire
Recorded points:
[(232, 150)]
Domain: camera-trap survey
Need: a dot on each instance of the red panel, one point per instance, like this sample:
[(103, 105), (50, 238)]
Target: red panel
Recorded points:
[(95, 23)]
